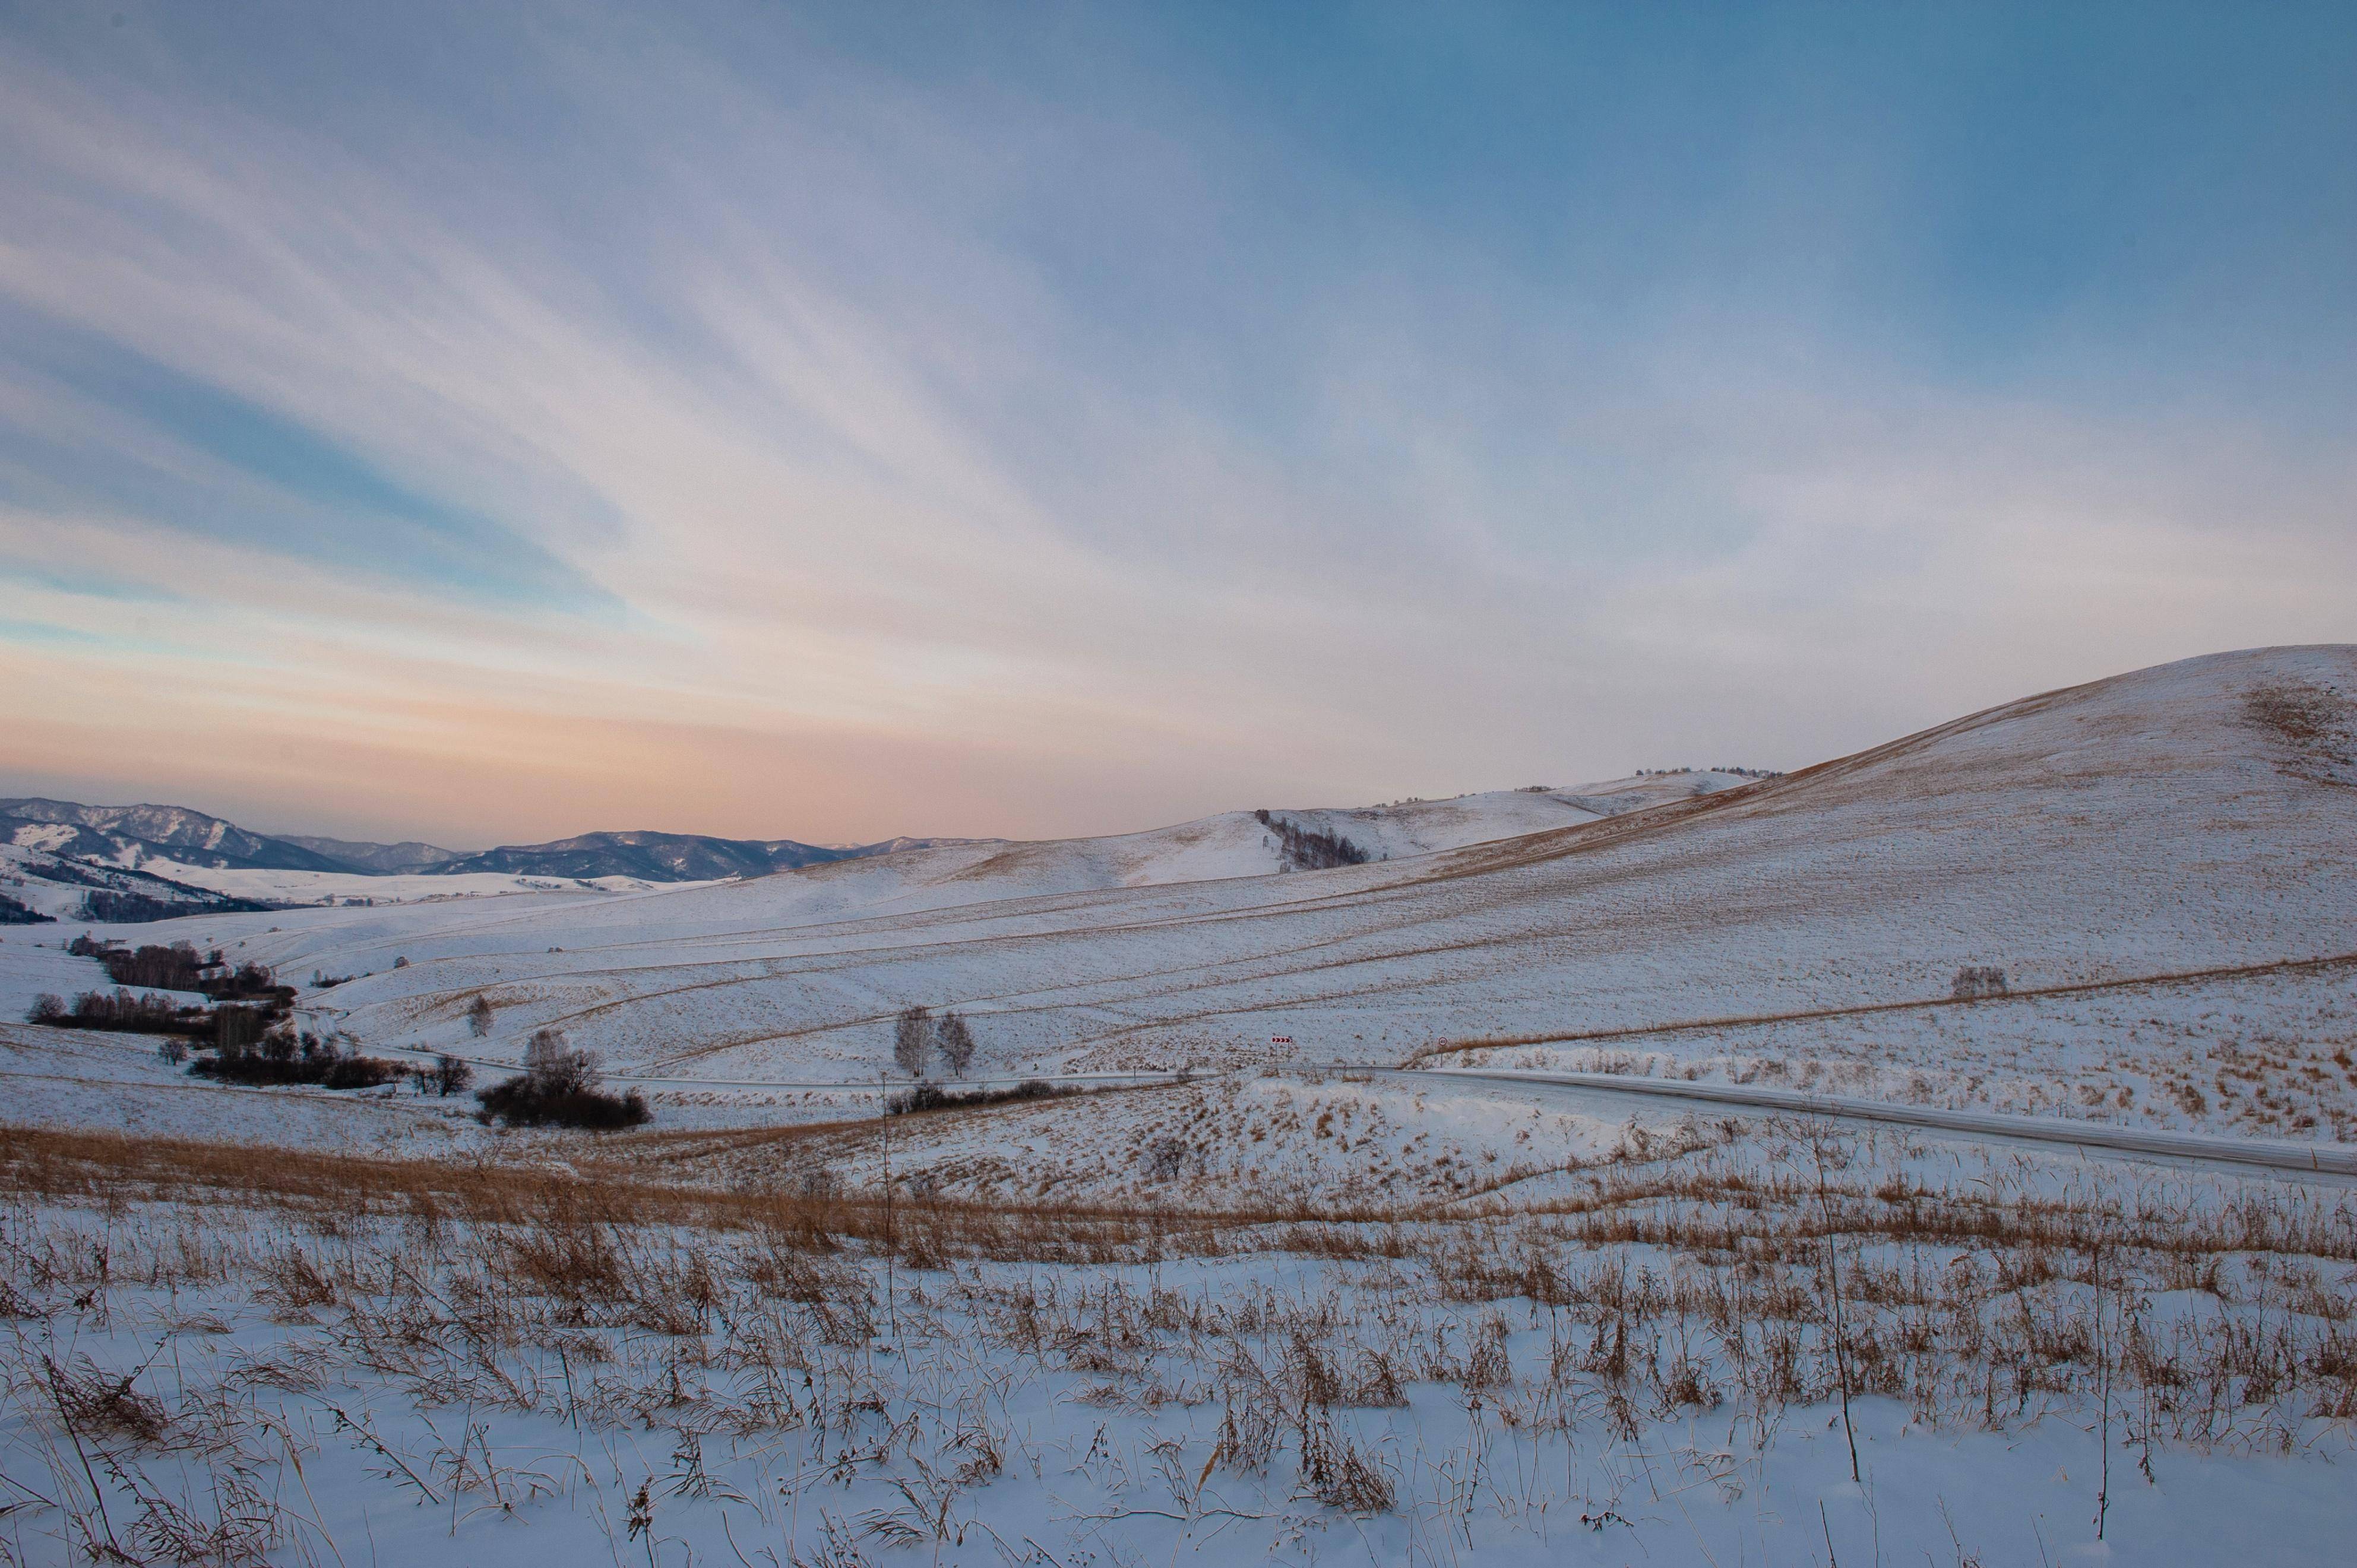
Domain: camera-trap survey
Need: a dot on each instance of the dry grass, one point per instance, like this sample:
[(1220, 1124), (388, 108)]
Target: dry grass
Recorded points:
[(97, 1167), (833, 1331)]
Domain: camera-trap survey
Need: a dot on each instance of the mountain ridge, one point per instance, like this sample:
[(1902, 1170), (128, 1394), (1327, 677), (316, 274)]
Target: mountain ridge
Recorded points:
[(127, 835), (382, 859), (650, 855)]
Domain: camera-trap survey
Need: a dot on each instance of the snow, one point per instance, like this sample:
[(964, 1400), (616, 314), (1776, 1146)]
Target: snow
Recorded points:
[(390, 1385), (2160, 862), (47, 836), (2140, 827), (2266, 1054), (339, 887), (33, 960), (72, 1080)]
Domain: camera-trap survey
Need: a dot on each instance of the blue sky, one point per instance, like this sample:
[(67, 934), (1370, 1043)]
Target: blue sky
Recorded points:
[(832, 421)]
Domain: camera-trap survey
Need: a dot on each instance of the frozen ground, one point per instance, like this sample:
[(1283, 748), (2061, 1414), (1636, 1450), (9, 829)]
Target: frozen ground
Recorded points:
[(1257, 1139)]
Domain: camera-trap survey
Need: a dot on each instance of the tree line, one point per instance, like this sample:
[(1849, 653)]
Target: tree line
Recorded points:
[(1311, 849)]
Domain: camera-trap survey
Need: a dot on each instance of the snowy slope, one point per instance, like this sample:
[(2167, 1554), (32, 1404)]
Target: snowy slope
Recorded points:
[(385, 887), (2189, 817), (130, 835), (58, 884), (929, 874), (2164, 820)]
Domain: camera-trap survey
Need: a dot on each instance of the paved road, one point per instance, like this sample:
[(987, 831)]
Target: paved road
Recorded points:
[(2326, 1158), (2330, 1159)]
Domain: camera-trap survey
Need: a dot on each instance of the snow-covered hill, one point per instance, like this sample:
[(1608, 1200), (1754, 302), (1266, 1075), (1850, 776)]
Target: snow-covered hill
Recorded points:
[(2194, 816), (650, 857), (128, 834), (916, 874), (383, 859), (41, 883)]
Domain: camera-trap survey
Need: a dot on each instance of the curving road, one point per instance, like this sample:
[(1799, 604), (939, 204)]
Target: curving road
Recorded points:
[(2333, 1159)]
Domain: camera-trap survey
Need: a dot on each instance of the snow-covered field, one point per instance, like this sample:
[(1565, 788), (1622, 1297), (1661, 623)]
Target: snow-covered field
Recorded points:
[(2267, 1052), (2151, 825), (1285, 1309), (1667, 1365)]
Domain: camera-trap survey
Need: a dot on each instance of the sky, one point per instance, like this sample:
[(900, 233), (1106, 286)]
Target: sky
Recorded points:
[(487, 424)]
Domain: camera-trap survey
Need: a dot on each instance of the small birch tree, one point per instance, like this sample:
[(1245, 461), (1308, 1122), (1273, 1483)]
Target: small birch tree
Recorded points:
[(912, 1041), (956, 1043)]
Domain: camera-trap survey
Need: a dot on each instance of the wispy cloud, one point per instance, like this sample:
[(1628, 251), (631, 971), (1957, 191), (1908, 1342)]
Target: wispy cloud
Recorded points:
[(743, 425)]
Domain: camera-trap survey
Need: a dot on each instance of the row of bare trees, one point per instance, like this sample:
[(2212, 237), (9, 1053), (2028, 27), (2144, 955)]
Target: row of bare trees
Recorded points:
[(917, 1035)]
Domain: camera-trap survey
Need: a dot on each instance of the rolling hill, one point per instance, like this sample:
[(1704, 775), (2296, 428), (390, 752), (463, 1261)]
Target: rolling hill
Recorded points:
[(2197, 816), (380, 859)]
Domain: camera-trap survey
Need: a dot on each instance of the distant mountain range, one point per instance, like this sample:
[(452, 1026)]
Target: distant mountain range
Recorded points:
[(654, 857), (126, 835), (386, 859)]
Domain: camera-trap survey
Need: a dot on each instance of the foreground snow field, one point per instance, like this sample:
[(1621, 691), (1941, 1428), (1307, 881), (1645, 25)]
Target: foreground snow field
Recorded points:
[(1296, 1304), (228, 1360)]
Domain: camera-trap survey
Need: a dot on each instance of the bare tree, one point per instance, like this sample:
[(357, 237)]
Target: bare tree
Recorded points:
[(555, 1067), (912, 1040), (956, 1043), (479, 1016), (449, 1075)]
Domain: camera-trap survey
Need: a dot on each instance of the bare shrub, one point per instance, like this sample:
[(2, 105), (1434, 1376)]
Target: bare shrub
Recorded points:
[(99, 1403), (559, 1088), (1165, 1158), (932, 1097), (555, 1067), (283, 1056), (1310, 849), (1976, 981)]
